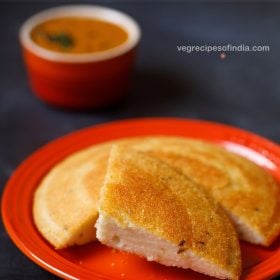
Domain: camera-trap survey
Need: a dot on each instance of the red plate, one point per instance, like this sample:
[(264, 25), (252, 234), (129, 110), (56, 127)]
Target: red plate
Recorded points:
[(95, 261)]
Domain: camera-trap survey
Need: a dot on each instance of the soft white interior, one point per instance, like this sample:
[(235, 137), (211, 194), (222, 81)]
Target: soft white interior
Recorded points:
[(88, 11), (245, 232), (141, 242)]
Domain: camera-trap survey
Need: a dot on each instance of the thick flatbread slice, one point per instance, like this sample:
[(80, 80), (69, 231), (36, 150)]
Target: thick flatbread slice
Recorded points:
[(250, 196), (66, 201), (150, 209)]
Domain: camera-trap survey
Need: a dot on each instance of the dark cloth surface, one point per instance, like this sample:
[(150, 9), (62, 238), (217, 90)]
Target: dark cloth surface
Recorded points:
[(241, 90)]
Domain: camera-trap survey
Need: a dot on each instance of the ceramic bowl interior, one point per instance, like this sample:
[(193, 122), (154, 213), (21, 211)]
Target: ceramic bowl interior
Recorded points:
[(87, 11)]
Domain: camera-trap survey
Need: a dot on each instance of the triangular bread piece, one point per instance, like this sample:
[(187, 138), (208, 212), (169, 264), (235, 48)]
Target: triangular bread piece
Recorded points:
[(249, 194), (66, 201), (150, 209)]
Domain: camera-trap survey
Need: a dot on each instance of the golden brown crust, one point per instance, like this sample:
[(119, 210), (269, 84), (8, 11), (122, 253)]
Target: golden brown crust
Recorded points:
[(149, 194), (66, 201), (244, 189)]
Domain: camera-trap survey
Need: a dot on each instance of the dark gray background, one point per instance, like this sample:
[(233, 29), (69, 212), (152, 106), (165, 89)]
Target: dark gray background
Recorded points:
[(241, 90)]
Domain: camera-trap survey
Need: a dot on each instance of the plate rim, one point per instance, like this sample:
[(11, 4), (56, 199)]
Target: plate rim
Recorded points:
[(262, 143)]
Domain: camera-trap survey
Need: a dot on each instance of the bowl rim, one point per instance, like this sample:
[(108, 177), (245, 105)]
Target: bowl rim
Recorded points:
[(88, 11)]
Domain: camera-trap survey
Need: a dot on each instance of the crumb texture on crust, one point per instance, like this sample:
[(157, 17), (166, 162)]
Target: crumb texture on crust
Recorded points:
[(145, 192), (248, 193), (66, 201)]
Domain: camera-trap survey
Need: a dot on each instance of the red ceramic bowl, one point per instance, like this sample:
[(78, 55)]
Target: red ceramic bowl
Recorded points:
[(78, 81)]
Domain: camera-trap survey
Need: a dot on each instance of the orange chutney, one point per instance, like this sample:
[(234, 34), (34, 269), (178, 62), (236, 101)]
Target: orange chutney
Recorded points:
[(78, 35)]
